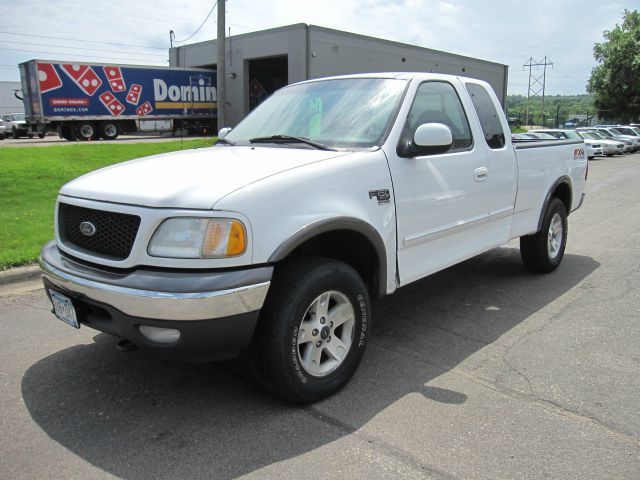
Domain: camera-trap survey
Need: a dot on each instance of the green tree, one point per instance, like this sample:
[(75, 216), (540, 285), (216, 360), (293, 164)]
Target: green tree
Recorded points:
[(615, 82)]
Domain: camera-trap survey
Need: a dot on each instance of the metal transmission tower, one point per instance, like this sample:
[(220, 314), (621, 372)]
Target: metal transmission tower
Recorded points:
[(536, 81)]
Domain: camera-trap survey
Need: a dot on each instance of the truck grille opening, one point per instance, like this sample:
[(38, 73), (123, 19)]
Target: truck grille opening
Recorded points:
[(113, 233)]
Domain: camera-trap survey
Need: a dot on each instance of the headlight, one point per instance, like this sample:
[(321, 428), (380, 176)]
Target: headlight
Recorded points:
[(187, 237)]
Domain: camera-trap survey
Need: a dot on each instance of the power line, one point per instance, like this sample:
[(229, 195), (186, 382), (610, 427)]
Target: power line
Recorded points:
[(81, 40), (201, 25), (79, 48)]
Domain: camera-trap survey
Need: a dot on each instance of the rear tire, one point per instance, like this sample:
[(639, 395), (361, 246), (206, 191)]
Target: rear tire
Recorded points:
[(109, 131), (313, 329), (542, 252)]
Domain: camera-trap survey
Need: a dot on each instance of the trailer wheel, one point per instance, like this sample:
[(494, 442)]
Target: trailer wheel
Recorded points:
[(86, 131), (14, 133), (109, 131), (68, 132), (42, 135)]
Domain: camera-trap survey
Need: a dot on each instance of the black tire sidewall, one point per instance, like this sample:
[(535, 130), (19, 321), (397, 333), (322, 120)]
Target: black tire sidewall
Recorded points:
[(103, 131), (294, 382), (555, 206), (79, 131)]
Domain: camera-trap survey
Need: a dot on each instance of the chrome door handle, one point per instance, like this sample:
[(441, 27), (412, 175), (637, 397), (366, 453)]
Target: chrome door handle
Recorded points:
[(481, 174)]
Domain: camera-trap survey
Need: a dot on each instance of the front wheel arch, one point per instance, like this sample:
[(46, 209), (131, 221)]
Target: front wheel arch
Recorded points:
[(321, 238)]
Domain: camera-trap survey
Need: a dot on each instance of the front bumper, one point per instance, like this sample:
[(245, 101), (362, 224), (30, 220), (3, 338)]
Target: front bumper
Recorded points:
[(214, 312)]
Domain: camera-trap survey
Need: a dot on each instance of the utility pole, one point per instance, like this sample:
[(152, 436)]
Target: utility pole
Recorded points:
[(537, 81), (220, 66)]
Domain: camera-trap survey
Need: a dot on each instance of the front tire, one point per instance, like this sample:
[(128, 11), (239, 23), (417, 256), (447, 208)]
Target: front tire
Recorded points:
[(542, 252), (313, 329)]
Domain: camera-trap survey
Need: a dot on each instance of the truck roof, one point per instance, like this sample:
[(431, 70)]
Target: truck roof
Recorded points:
[(396, 75)]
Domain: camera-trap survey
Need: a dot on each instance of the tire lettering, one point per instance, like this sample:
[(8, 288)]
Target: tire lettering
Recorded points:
[(364, 320), (294, 356)]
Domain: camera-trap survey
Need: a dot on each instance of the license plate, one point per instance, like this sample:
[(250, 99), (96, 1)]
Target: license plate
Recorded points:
[(63, 308)]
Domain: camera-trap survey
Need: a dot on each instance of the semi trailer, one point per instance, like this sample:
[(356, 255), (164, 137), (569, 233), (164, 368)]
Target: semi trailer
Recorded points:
[(87, 101)]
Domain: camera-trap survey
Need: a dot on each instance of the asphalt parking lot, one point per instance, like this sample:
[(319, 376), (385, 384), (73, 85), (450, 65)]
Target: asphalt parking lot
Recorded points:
[(480, 371)]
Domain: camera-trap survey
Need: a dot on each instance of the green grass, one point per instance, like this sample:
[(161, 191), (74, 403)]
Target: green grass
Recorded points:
[(30, 178)]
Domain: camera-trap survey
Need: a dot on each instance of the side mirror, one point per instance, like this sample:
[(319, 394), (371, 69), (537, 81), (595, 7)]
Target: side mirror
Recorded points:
[(223, 132), (434, 136)]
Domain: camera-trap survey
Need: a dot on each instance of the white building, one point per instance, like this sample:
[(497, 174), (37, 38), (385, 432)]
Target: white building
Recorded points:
[(259, 63)]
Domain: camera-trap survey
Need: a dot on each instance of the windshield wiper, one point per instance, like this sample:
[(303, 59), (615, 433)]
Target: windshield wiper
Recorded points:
[(289, 139), (224, 142)]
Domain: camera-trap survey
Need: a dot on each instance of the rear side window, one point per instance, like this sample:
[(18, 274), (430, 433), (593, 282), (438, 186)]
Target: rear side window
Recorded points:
[(488, 115)]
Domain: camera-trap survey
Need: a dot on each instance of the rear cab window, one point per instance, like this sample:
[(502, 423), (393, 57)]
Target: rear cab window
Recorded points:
[(488, 116)]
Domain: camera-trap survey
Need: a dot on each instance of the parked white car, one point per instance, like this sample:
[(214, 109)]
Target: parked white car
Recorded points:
[(331, 192), (632, 141), (609, 147), (3, 130), (593, 148)]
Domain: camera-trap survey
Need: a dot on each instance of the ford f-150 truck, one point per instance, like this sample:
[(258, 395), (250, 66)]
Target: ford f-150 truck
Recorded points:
[(273, 241)]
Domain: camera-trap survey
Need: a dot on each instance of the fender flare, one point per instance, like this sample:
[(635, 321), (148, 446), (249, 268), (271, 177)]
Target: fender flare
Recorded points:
[(563, 179), (334, 224)]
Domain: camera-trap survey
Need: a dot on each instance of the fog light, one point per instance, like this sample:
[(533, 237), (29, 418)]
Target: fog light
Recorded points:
[(160, 335)]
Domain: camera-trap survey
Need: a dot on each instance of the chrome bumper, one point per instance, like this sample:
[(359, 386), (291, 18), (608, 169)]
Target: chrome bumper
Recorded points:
[(173, 295)]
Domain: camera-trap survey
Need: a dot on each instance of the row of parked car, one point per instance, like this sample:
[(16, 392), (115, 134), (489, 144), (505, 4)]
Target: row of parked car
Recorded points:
[(601, 140)]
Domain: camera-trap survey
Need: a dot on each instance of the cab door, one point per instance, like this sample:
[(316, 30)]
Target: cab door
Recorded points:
[(441, 199), (501, 178)]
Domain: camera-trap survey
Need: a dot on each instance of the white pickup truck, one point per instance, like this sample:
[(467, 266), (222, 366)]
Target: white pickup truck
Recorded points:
[(273, 241)]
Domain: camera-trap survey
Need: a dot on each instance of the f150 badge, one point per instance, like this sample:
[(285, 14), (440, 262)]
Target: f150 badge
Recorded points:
[(382, 195)]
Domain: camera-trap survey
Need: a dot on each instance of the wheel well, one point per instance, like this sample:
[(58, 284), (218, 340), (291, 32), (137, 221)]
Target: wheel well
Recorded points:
[(563, 192), (350, 247)]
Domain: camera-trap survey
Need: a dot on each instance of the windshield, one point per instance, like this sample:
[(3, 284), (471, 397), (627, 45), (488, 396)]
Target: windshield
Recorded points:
[(605, 133), (351, 113), (17, 117), (590, 136), (625, 131)]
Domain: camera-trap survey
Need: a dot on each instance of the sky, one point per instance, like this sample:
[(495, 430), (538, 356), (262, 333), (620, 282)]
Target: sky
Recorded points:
[(137, 32)]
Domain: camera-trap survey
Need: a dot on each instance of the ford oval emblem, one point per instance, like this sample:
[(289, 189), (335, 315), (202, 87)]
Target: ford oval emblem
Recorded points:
[(87, 229)]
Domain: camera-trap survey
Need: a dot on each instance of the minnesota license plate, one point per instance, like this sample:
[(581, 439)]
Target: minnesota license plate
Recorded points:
[(63, 308)]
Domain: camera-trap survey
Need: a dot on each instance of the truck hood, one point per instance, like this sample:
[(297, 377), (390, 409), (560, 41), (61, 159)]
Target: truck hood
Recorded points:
[(192, 179)]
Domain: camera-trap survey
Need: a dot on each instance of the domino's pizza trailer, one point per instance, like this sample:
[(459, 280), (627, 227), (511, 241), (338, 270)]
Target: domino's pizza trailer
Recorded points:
[(86, 101)]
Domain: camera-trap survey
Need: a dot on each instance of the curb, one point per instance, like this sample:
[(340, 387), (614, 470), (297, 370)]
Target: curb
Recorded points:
[(19, 274)]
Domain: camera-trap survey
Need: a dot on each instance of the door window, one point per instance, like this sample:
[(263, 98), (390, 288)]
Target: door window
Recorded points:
[(437, 102)]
